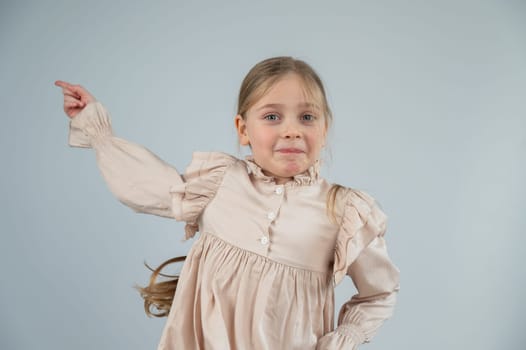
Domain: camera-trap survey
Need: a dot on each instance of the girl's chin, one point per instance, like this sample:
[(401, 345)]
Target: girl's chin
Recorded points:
[(287, 168)]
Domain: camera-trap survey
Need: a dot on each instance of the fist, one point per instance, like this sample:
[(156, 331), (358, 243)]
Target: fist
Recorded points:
[(75, 97)]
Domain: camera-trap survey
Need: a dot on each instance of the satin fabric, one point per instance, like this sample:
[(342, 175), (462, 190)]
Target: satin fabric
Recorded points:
[(261, 273)]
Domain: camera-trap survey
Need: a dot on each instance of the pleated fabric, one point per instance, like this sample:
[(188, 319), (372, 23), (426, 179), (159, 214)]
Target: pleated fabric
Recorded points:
[(230, 298)]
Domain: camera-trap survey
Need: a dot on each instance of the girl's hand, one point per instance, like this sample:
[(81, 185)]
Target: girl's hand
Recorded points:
[(75, 98)]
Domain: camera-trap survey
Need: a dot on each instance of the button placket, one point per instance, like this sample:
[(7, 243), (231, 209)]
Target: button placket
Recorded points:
[(272, 213)]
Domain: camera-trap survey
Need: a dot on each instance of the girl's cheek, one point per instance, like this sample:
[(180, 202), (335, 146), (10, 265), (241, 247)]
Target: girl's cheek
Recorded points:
[(317, 135)]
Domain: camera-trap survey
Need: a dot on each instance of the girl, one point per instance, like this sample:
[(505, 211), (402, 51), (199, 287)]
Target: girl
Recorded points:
[(275, 237)]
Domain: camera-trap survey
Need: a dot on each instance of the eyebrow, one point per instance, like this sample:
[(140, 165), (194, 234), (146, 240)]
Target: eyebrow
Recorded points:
[(276, 105)]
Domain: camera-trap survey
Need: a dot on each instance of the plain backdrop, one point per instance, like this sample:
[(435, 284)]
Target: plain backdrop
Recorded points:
[(430, 118)]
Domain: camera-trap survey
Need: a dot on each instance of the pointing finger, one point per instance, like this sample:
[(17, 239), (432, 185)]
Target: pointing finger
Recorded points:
[(63, 84), (67, 88)]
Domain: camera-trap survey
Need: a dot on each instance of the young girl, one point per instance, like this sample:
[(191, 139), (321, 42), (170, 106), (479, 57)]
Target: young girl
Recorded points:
[(275, 238)]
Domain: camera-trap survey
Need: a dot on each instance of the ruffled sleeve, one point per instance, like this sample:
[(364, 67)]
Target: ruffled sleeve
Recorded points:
[(202, 179), (361, 253), (140, 179)]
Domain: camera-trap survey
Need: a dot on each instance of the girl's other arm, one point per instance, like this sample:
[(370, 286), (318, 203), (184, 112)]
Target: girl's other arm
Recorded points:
[(361, 253), (377, 280), (136, 176)]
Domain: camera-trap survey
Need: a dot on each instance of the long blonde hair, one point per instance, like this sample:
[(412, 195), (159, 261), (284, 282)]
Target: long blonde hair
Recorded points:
[(158, 296)]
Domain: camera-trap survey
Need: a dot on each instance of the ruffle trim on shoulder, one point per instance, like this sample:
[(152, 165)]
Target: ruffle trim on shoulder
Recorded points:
[(201, 181), (362, 221)]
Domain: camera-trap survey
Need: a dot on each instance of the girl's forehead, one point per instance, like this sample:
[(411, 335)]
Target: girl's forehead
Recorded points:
[(291, 89)]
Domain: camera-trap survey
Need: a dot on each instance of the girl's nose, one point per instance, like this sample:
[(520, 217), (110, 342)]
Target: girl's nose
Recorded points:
[(291, 131)]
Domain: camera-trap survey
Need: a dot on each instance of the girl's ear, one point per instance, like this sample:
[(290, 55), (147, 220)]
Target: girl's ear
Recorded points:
[(241, 127)]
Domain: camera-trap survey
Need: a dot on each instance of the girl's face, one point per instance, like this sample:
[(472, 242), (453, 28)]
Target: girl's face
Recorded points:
[(284, 129)]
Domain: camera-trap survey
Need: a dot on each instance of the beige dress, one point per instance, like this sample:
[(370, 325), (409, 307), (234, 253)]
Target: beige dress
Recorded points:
[(261, 273)]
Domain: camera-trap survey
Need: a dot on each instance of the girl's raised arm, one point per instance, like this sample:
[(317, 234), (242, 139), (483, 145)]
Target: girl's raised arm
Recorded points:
[(136, 176)]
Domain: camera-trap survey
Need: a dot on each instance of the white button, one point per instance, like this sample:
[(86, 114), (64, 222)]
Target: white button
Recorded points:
[(271, 215), (248, 169), (264, 240), (279, 190)]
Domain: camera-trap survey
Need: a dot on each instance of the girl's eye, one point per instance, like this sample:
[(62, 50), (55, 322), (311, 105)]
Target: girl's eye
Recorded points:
[(308, 117), (271, 117)]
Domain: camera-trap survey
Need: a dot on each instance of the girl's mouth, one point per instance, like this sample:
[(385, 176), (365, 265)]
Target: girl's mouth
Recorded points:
[(290, 150)]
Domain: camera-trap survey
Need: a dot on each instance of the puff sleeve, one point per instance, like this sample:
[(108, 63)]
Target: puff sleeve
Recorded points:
[(361, 254), (140, 179), (202, 179)]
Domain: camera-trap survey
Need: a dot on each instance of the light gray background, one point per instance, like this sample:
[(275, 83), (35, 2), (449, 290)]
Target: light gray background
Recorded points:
[(429, 103)]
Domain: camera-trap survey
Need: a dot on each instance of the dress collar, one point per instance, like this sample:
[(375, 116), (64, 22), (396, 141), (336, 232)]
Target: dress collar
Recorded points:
[(308, 177)]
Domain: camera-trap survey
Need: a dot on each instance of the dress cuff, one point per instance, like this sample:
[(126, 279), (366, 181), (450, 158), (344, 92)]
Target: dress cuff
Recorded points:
[(344, 337), (92, 123)]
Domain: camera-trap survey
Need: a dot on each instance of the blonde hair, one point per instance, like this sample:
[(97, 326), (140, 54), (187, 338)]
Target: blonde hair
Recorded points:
[(159, 295)]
